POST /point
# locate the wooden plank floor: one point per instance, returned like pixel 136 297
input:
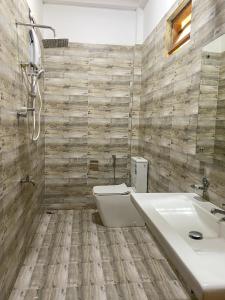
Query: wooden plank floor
pixel 73 257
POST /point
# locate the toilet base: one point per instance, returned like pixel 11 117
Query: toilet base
pixel 118 211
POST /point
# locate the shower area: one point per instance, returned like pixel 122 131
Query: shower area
pixel 92 97
pixel 69 121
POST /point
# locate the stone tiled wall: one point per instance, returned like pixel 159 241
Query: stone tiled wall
pixel 220 116
pixel 89 114
pixel 208 100
pixel 170 105
pixel 19 156
pixel 102 100
pixel 211 137
pixel 91 93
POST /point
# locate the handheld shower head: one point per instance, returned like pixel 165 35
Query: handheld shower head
pixel 40 73
pixel 35 76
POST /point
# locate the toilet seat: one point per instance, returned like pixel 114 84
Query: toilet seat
pixel 107 190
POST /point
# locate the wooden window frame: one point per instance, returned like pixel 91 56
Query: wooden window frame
pixel 172 33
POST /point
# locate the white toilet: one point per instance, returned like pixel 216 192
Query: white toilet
pixel 113 201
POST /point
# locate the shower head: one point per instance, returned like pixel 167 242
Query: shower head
pixel 40 73
pixel 35 76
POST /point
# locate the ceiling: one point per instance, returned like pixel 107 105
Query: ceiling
pixel 113 4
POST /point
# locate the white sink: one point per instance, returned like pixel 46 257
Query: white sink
pixel 201 263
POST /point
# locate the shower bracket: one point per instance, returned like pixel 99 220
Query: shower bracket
pixel 24 110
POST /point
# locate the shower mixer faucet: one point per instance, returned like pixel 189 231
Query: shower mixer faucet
pixel 24 110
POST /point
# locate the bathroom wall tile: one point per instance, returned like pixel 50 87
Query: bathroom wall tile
pixel 90 100
pixel 178 106
pixel 19 156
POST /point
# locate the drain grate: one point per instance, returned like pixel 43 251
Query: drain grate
pixel 195 235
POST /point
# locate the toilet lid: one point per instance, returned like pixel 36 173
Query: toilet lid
pixel 120 189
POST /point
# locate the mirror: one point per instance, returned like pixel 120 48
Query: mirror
pixel 211 117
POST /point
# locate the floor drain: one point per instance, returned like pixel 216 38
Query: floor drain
pixel 195 235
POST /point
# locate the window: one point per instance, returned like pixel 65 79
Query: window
pixel 180 27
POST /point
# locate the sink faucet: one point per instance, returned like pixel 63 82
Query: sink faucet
pixel 204 187
pixel 217 211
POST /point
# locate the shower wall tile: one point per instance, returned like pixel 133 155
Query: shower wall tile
pixel 19 156
pixel 220 120
pixel 90 99
pixel 174 107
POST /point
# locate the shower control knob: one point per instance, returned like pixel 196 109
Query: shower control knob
pixel 31 109
pixel 22 112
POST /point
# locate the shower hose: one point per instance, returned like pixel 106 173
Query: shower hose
pixel 35 135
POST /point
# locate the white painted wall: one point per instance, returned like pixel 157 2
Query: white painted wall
pixel 154 11
pixel 94 25
pixel 217 46
pixel 139 26
pixel 36 7
pixel 100 25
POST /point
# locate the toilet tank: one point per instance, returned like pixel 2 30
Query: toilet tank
pixel 139 174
